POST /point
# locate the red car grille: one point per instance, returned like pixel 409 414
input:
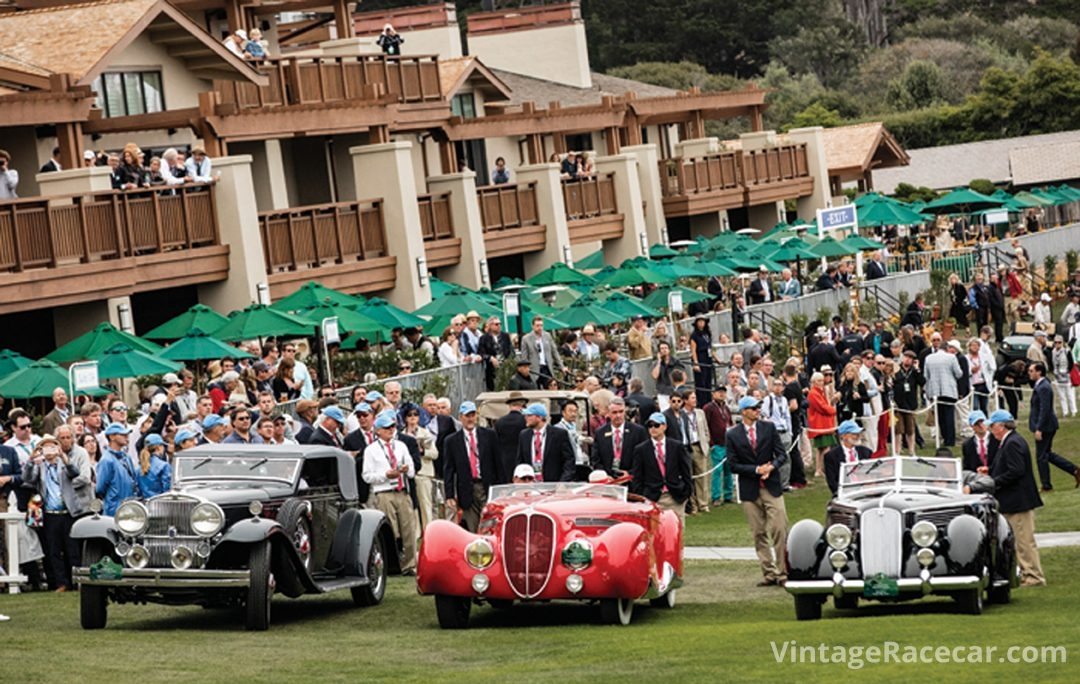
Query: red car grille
pixel 528 549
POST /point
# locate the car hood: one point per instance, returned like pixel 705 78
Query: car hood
pixel 910 500
pixel 568 506
pixel 225 492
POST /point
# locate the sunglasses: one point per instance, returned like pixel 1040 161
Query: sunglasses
pixel 653 425
pixel 404 367
pixel 23 427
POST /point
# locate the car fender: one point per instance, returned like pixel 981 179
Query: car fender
pixel 667 542
pixel 441 566
pixel 804 549
pixel 96 527
pixel 251 530
pixel 1005 558
pixel 356 533
pixel 622 554
pixel 966 537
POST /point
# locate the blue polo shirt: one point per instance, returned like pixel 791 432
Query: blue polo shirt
pixel 116 480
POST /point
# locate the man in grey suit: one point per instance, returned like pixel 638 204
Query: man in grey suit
pixel 539 348
pixel 942 372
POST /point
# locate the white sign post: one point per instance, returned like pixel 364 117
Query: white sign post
pixel 330 335
pixel 675 305
pixel 82 377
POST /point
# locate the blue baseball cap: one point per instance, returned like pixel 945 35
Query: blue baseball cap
pixel 657 418
pixel 117 429
pixel 362 407
pixel 385 420
pixel 466 407
pixel 212 421
pixel 748 403
pixel 535 410
pixel 975 417
pixel 1001 416
pixel 335 413
pixel 849 427
pixel 373 396
pixel 183 436
pixel 154 439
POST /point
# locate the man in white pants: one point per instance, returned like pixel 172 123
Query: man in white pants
pixel 871 410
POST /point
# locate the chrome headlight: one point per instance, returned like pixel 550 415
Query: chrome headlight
pixel 838 536
pixel 138 557
pixel 924 533
pixel 207 519
pixel 182 558
pixel 132 518
pixel 925 557
pixel 577 555
pixel 838 559
pixel 479 554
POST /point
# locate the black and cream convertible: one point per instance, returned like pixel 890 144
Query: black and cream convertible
pixel 241 523
pixel 902 528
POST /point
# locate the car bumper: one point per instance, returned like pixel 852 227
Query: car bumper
pixel 839 586
pixel 168 578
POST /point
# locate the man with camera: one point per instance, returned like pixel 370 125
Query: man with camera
pixel 9 177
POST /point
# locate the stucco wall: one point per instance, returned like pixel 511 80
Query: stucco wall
pixel 556 53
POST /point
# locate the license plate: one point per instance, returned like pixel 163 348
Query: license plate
pixel 880 586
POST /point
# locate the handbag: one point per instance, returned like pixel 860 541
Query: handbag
pixel 1074 376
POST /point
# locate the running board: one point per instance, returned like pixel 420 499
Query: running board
pixel 326 586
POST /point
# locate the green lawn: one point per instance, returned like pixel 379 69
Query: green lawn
pixel 722 627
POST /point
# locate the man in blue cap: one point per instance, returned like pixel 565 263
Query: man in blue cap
pixel 975 451
pixel 471 465
pixel 847 451
pixel 661 469
pixel 756 454
pixel 213 429
pixel 546 448
pixel 116 479
pixel 1015 490
pixel 329 425
pixel 184 440
pixel 387 468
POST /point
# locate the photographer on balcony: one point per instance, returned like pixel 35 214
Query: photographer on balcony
pixel 9 177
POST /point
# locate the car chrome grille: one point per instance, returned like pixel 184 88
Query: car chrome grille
pixel 941 516
pixel 880 531
pixel 528 551
pixel 169 527
pixel 842 517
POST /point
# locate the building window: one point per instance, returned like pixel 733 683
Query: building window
pixel 463 105
pixel 126 93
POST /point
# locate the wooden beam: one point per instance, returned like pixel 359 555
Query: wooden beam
pixel 448 157
pixel 379 134
pixel 611 137
pixel 69 138
pixel 757 124
pixel 173 118
pixel 234 15
pixel 343 19
pixel 534 145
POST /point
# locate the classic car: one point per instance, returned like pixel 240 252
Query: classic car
pixel 1014 347
pixel 552 541
pixel 901 528
pixel 241 523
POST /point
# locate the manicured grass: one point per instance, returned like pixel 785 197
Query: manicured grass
pixel 721 630
pixel 726 526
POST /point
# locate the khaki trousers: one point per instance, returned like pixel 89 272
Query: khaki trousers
pixel 668 503
pixel 398 509
pixel 470 517
pixel 1027 552
pixel 424 499
pixel 768 525
pixel 699 464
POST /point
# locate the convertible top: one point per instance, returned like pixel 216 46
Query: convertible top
pixel 346 463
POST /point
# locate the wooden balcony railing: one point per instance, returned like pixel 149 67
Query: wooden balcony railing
pixel 73 229
pixel 314 236
pixel 436 221
pixel 775 164
pixel 589 197
pixel 512 205
pixel 315 80
pixel 711 173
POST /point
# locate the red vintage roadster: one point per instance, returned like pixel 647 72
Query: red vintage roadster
pixel 554 541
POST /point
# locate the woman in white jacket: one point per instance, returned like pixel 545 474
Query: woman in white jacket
pixel 982 367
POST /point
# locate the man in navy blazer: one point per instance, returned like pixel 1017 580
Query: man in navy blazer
pixel 471 465
pixel 1014 488
pixel 614 443
pixel 670 484
pixel 756 455
pixel 545 447
pixel 847 451
pixel 1043 424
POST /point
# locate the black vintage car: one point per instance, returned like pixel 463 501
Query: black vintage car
pixel 899 529
pixel 241 523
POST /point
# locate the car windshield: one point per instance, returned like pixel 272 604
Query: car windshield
pixel 899 473
pixel 532 489
pixel 236 468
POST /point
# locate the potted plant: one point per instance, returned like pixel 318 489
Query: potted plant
pixel 948 328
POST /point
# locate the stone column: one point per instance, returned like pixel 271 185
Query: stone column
pixel 814 138
pixel 551 212
pixel 697 147
pixel 628 201
pixel 763 216
pixel 385 171
pixel 468 226
pixel 648 172
pixel 238 219
pixel 75 181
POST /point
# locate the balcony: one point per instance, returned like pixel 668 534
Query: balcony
pixel 591 212
pixel 441 248
pixel 729 180
pixel 70 249
pixel 510 219
pixel 326 80
pixel 343 245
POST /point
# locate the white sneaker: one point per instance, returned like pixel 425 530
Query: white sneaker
pixel 4 618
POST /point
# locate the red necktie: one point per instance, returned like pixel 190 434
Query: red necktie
pixel 662 463
pixel 618 446
pixel 851 458
pixel 474 461
pixel 370 437
pixel 389 448
pixel 982 451
pixel 538 455
pixel 753 439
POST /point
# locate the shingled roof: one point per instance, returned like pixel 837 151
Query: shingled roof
pixel 1046 163
pixel 530 89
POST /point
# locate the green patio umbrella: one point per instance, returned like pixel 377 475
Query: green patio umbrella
pixel 312 294
pixel 962 201
pixel 831 247
pixel 712 267
pixel 1068 191
pixel 888 213
pixel 11 361
pixel 39 379
pixel 90 345
pixel 454 301
pixel 603 274
pixel 658 298
pixel 635 272
pixel 675 271
pixel 198 316
pixel 440 287
pixel 348 320
pixel 121 361
pixel 592 262
pixel 1032 198
pixel 588 310
pixel 1051 196
pixel 628 307
pixel 491 297
pixel 560 274
pixel 861 244
pixel 751 264
pixel 661 251
pixel 507 281
pixel 552 300
pixel 389 315
pixel 196 345
pixel 259 320
pixel 1013 203
pixel 792 249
